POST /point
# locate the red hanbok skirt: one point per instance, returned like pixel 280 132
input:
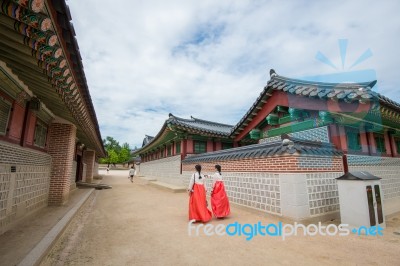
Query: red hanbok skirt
pixel 220 201
pixel 198 205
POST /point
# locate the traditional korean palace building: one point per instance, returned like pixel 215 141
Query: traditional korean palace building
pixel 308 134
pixel 49 134
pixel 162 155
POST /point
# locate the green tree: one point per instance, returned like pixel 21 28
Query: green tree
pixel 112 156
pixel 125 153
pixel 111 144
pixel 113 148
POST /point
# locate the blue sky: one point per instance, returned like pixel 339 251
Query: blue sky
pixel 211 59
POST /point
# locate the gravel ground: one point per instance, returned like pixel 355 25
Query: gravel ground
pixel 137 224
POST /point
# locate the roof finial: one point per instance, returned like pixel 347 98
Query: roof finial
pixel 272 73
pixel 170 114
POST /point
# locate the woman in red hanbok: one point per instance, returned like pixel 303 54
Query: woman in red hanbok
pixel 219 199
pixel 197 202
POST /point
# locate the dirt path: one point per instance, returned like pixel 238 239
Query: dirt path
pixel 136 224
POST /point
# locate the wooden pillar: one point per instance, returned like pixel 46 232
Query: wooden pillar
pixel 372 144
pixel 210 146
pixel 343 139
pixel 218 145
pixel 387 143
pixel 89 159
pixel 189 146
pixel 28 130
pixel 393 145
pixel 183 149
pixel 335 136
pixel 364 141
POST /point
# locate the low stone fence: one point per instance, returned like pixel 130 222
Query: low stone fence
pixel 292 186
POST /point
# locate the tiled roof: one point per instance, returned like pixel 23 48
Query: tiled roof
pixel 40 48
pixel 146 140
pixel 201 126
pixel 347 92
pixel 193 126
pixel 288 146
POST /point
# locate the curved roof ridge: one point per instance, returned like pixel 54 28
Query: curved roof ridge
pixel 350 92
pixel 194 119
pixel 207 121
pixel 369 84
pixel 276 148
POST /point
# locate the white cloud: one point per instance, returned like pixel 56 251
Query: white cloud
pixel 210 59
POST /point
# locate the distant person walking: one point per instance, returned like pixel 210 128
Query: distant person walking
pixel 197 202
pixel 219 199
pixel 132 173
pixel 108 169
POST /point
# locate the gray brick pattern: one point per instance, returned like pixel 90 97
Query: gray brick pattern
pixel 323 196
pixel 165 170
pixel 14 154
pixel 5 177
pixel 255 190
pixel 32 186
pixel 315 161
pixel 26 189
pixel 386 168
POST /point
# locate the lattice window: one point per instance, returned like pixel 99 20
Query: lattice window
pixel 5 109
pixel 380 143
pixel 178 148
pixel 40 134
pixel 227 146
pixel 169 150
pixel 353 139
pixel 200 146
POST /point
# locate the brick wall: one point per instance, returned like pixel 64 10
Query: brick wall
pixel 61 148
pixel 84 172
pixel 24 182
pixel 88 159
pixel 72 182
pixel 386 168
pixel 166 169
pixel 286 164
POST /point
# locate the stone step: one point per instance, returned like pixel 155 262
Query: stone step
pixel 167 186
pixel 93 185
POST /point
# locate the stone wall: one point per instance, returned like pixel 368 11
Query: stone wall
pixel 165 170
pixel 24 182
pixel 388 169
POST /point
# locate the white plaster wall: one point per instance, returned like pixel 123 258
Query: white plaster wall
pixel 165 170
pixel 294 197
pixel 386 168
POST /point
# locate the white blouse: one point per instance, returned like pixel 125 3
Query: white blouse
pixel 216 177
pixel 195 178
